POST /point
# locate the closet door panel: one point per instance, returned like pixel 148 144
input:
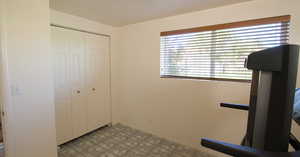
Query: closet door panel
pixel 60 47
pixel 98 109
pixel 79 101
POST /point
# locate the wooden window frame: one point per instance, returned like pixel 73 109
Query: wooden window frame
pixel 254 22
pixel 268 20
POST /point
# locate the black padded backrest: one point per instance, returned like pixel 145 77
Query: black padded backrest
pixel 271 98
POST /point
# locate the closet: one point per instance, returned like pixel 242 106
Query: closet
pixel 82 86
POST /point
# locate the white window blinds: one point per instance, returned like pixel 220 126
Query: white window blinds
pixel 218 52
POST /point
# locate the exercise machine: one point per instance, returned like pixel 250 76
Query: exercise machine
pixel 271 106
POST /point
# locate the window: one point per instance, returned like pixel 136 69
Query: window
pixel 218 52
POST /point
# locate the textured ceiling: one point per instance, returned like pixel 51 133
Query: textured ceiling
pixel 123 12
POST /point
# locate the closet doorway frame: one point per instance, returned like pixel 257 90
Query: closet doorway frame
pixel 7 110
pixel 109 55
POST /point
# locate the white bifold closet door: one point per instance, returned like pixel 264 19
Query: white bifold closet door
pixel 97 83
pixel 82 88
pixel 63 100
pixel 77 80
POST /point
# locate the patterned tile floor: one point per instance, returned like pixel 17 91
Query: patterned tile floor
pixel 123 141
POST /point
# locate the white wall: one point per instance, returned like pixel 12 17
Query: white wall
pixel 178 109
pixel 26 49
